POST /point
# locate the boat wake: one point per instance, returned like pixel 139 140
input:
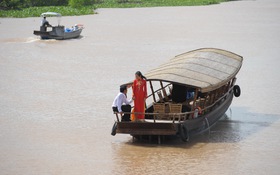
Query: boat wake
pixel 31 40
pixel 21 40
pixel 27 40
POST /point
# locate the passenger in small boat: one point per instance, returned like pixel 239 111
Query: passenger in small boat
pixel 139 95
pixel 45 23
pixel 121 104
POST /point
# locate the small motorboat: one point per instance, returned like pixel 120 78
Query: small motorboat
pixel 58 32
pixel 188 95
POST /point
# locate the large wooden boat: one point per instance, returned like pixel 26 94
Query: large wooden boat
pixel 58 32
pixel 188 95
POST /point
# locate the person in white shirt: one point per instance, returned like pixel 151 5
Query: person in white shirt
pixel 45 23
pixel 121 104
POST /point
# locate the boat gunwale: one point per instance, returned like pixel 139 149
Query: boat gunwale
pixel 182 113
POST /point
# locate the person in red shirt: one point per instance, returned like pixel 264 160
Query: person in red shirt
pixel 139 95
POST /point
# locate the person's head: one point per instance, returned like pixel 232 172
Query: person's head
pixel 123 89
pixel 139 76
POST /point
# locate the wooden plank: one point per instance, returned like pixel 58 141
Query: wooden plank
pixel 146 125
pixel 146 128
pixel 41 33
pixel 146 131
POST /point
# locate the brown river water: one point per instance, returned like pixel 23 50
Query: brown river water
pixel 56 96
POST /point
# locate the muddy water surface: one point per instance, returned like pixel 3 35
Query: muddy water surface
pixel 55 96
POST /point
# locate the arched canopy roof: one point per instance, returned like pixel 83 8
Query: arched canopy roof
pixel 206 69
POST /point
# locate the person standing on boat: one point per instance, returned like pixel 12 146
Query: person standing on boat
pixel 139 95
pixel 45 23
pixel 121 104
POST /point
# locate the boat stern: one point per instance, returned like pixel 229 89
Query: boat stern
pixel 145 128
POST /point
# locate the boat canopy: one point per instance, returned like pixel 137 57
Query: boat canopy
pixel 51 14
pixel 58 15
pixel 205 68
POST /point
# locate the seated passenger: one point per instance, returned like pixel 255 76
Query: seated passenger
pixel 121 104
pixel 179 93
pixel 190 94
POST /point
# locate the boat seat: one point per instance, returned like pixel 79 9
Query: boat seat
pixel 176 108
pixel 160 109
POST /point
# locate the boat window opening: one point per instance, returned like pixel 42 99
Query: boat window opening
pixel 166 98
pixel 152 93
pixel 160 89
pixel 49 29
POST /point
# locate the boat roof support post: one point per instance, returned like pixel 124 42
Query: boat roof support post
pixel 194 99
pixel 233 82
pixel 153 92
pixel 163 90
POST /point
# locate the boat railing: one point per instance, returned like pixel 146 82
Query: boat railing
pixel 174 116
pixel 160 116
pixel 218 100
